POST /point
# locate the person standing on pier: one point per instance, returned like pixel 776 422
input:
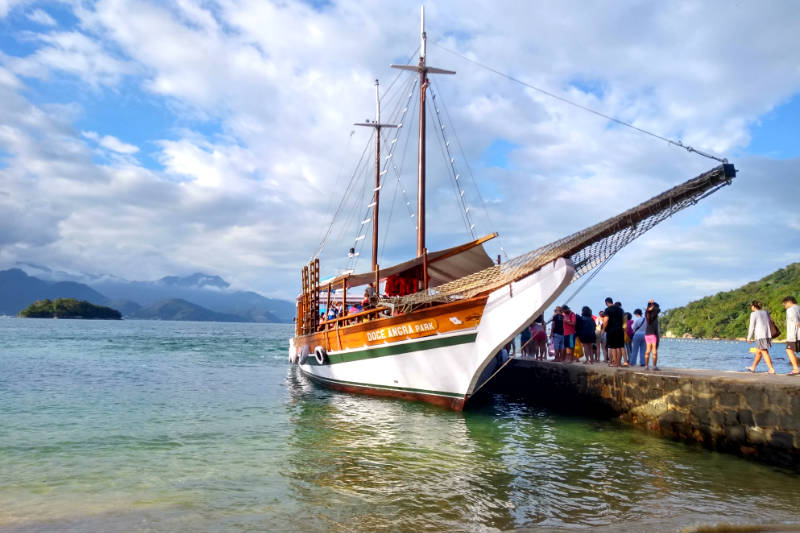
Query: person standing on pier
pixel 637 342
pixel 651 334
pixel 569 332
pixel 539 338
pixel 557 334
pixel 628 337
pixel 613 324
pixel 759 329
pixel 601 336
pixel 586 334
pixel 792 332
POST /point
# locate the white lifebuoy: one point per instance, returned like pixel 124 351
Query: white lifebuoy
pixel 303 355
pixel 321 355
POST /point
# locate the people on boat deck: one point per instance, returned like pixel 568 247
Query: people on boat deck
pixel 569 332
pixel 370 296
pixel 613 326
pixel 652 333
pixel 557 334
pixel 637 340
pixel 792 332
pixel 760 331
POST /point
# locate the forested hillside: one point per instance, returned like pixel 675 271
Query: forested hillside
pixel 726 314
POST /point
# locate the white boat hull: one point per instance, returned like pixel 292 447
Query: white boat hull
pixel 444 368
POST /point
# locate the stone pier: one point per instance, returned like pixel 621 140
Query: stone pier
pixel 753 415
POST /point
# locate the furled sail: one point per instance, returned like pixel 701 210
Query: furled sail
pixel 587 249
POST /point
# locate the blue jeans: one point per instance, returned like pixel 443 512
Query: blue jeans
pixel 638 348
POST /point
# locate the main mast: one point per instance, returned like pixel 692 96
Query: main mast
pixel 423 69
pixel 376 203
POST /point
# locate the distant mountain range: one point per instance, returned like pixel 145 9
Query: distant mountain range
pixel 177 309
pixel 198 295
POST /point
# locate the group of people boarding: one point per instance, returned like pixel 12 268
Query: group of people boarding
pixel 619 337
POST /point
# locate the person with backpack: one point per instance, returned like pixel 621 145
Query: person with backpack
pixel 760 330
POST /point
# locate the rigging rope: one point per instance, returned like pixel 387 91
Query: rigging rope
pixel 341 203
pixel 587 249
pixel 388 160
pixel 471 175
pixel 679 144
pixel 444 144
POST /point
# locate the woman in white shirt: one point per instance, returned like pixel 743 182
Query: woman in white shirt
pixel 759 330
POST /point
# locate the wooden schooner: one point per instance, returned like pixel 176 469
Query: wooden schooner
pixel 436 340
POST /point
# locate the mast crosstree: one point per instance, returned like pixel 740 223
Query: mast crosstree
pixel 377 125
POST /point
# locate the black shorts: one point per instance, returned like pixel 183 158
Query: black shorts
pixel 615 338
pixel 793 346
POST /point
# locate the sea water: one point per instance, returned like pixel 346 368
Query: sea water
pixel 204 427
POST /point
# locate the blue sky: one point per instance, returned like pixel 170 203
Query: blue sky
pixel 149 139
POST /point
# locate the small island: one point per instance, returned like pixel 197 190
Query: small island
pixel 69 308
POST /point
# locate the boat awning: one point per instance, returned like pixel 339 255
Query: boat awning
pixel 443 265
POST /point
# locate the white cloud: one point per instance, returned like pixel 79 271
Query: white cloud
pixel 40 16
pixel 73 53
pixel 110 142
pixel 8 5
pixel 284 83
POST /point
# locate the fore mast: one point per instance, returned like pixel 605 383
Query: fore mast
pixel 377 125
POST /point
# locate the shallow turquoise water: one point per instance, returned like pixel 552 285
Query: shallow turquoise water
pixel 179 426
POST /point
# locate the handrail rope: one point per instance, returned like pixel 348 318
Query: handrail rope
pixel 679 144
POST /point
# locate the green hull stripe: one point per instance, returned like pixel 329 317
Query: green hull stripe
pixel 395 349
pixel 375 386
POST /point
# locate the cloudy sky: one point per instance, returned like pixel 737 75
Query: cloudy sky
pixel 143 139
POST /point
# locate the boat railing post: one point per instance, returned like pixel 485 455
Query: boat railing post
pixel 328 304
pixel 425 268
pixel 344 298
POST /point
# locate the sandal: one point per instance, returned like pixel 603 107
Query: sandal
pixel 751 370
pixel 793 373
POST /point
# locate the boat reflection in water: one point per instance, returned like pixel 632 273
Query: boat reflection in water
pixel 385 465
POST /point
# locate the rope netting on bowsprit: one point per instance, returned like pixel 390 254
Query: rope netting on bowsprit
pixel 587 249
